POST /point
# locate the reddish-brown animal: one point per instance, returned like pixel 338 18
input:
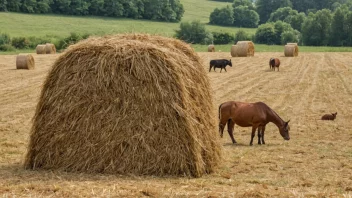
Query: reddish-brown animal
pixel 329 116
pixel 255 115
pixel 274 62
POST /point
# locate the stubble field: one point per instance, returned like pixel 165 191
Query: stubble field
pixel 316 162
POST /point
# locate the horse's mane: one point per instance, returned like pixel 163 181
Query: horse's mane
pixel 275 113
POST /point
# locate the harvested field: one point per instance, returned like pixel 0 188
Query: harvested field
pixel 316 162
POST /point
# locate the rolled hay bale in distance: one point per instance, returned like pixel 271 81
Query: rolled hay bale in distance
pixel 40 49
pixel 211 48
pixel 245 48
pixel 124 106
pixel 296 48
pixel 290 51
pixel 50 48
pixel 25 61
pixel 234 51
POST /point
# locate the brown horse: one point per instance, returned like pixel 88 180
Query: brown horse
pixel 329 116
pixel 274 62
pixel 255 115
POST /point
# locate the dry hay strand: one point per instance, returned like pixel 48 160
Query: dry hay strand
pixel 50 48
pixel 211 48
pixel 40 49
pixel 25 61
pixel 245 48
pixel 290 50
pixel 296 48
pixel 126 104
pixel 234 52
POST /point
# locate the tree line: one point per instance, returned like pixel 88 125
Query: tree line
pixel 308 22
pixel 163 10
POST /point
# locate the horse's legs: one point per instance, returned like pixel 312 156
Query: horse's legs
pixel 230 126
pixel 263 129
pixel 220 69
pixel 259 135
pixel 210 68
pixel 225 68
pixel 253 134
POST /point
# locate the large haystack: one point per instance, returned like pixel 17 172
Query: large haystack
pixel 245 48
pixel 211 48
pixel 291 50
pixel 136 103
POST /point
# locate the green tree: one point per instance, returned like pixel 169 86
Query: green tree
pixel 266 7
pixel 266 34
pixel 193 32
pixel 13 5
pixel 3 5
pixel 337 27
pixel 244 17
pixel 247 3
pixel 223 16
pixel 223 38
pixel 316 28
pixel 348 29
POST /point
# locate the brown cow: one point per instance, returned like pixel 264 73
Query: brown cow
pixel 329 116
pixel 274 62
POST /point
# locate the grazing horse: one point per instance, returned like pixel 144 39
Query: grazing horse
pixel 329 116
pixel 274 62
pixel 255 115
pixel 220 63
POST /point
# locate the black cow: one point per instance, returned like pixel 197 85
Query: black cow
pixel 220 63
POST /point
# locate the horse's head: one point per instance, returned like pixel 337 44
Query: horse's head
pixel 284 131
pixel 334 115
pixel 272 61
pixel 230 63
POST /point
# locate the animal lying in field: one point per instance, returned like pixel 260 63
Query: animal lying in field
pixel 274 62
pixel 329 116
pixel 220 63
pixel 255 115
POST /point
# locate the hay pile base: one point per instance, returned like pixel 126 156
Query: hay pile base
pixel 211 48
pixel 245 48
pixel 234 51
pixel 50 48
pixel 124 105
pixel 25 61
pixel 291 50
pixel 40 49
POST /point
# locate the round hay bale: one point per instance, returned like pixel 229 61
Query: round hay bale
pixel 25 61
pixel 290 50
pixel 234 51
pixel 245 48
pixel 123 105
pixel 211 48
pixel 50 48
pixel 40 49
pixel 296 48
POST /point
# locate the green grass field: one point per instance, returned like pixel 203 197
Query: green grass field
pixel 59 26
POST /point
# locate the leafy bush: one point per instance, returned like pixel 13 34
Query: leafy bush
pixel 72 39
pixel 7 47
pixel 223 16
pixel 241 35
pixel 245 17
pixel 223 38
pixel 193 32
pixel 265 34
pixel 5 39
pixel 20 42
pixel 289 37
